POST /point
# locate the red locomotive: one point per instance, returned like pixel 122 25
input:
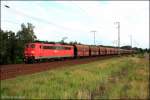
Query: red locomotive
pixel 37 51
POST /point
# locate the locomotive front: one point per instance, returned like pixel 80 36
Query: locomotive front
pixel 29 52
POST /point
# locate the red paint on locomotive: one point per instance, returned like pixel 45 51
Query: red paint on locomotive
pixel 44 51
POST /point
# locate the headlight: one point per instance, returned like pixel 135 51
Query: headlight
pixel 32 52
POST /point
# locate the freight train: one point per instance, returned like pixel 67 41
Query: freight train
pixel 38 51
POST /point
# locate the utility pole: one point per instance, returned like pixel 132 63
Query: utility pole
pixel 118 23
pixel 94 35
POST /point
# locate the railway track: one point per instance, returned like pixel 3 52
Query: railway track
pixel 14 70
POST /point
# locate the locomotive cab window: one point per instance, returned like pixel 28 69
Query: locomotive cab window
pixel 32 46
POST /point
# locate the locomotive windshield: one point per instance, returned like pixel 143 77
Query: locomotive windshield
pixel 30 46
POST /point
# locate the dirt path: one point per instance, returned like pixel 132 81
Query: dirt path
pixel 14 70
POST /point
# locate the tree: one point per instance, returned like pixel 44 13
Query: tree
pixel 25 35
pixel 7 47
pixel 126 47
pixel 3 49
pixel 12 46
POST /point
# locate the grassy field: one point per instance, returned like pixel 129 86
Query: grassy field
pixel 125 77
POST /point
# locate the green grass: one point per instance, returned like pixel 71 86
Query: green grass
pixel 111 78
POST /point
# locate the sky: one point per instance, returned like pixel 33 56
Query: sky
pixel 75 20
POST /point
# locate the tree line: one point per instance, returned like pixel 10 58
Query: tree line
pixel 12 44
